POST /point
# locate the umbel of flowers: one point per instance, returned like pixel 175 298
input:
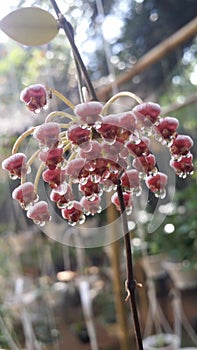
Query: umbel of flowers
pixel 96 151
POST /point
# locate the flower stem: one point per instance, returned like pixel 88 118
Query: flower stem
pixel 119 95
pixel 21 138
pixel 66 26
pixel 130 283
pixel 62 98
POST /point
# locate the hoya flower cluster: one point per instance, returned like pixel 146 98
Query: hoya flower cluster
pixel 96 151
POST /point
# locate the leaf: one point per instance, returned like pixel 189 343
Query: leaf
pixel 30 26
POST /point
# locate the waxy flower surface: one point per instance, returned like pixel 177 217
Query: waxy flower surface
pixel 93 153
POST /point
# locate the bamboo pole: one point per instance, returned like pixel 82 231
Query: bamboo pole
pixel 154 55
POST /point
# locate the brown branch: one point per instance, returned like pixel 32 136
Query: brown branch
pixel 178 105
pixel 154 55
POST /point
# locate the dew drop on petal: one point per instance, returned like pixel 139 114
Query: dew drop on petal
pixel 128 210
pixel 142 175
pixel 26 206
pixel 99 210
pixel 45 107
pixel 63 165
pixel 161 193
pixel 92 197
pixel 42 223
pixel 69 205
pixel 82 219
pixel 61 205
pixel 72 223
pixel 148 131
pixel 106 174
pixel 28 170
pixel 90 166
pixel 85 126
pixel 61 189
pixel 97 125
pixel 137 191
pixel 153 171
pixel 87 212
pixel 83 180
pixel 176 157
pixel 37 111
pixel 169 142
pixel 109 141
pixel 13 176
pixel 182 175
pixel 107 188
pixel 100 192
pixel 95 178
pixel 44 148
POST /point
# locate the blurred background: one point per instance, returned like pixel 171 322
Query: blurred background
pixel 55 296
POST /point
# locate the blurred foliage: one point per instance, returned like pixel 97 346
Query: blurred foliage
pixel 180 242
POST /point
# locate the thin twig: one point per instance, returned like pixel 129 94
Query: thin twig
pixel 130 283
pixel 66 26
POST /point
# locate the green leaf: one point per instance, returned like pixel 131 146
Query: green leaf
pixel 30 26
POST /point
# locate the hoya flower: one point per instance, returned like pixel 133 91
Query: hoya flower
pixel 157 184
pixel 166 128
pixel 35 97
pixel 89 112
pixel 54 177
pixel 145 164
pixel 15 165
pixel 90 189
pixel 97 152
pixel 109 128
pixel 78 135
pixel 73 213
pixel 48 135
pixel 75 169
pixel 39 213
pixel 52 158
pixel 91 207
pixel 130 181
pixel 138 147
pixel 62 199
pixel 25 194
pixel 147 113
pixel 127 201
pixel 183 167
pixel 181 145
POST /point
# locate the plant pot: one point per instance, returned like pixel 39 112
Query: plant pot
pixel 161 342
pixel 153 266
pixel 182 277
